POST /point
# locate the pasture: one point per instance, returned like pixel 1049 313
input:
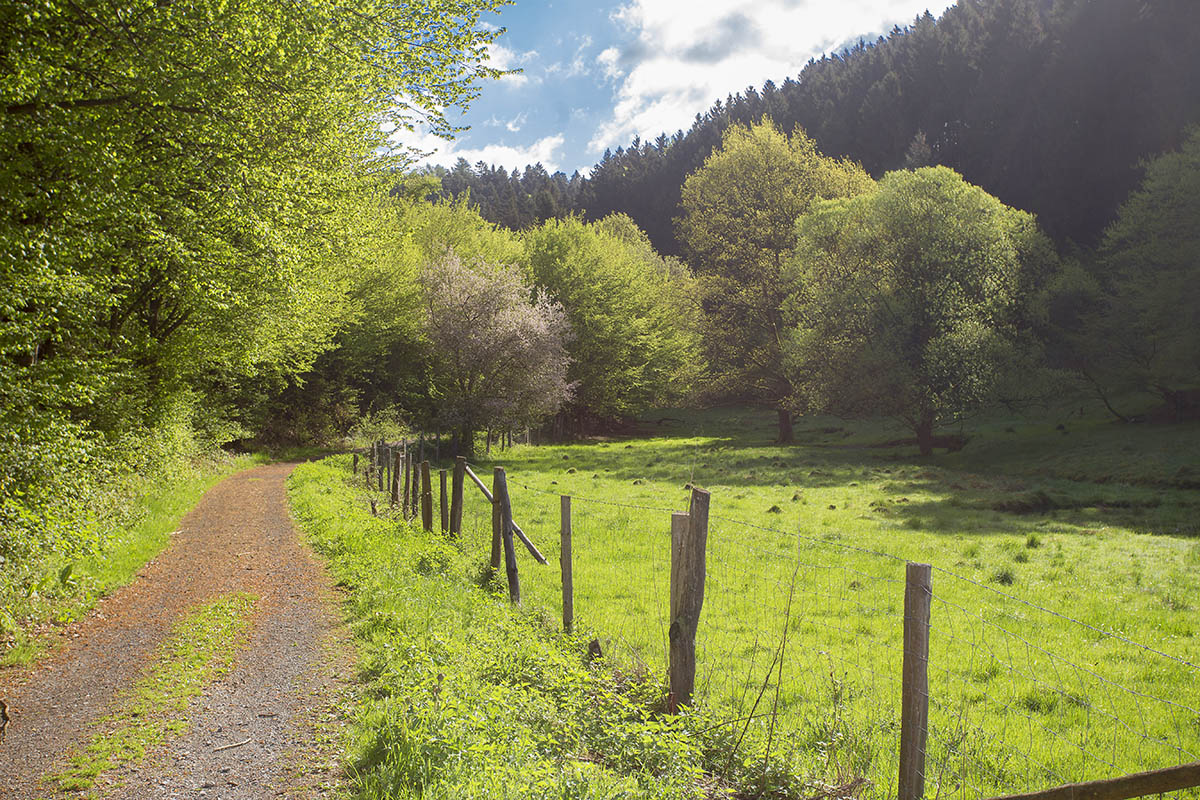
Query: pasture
pixel 1064 619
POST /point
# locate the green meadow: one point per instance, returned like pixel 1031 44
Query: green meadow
pixel 1066 566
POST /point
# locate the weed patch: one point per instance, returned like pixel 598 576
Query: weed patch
pixel 200 649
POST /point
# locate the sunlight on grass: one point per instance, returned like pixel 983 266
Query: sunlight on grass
pixel 1021 697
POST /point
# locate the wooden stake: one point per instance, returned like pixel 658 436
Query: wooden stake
pixel 689 601
pixel 444 501
pixel 406 480
pixel 564 561
pixel 914 702
pixel 355 467
pixel 426 498
pixel 397 468
pixel 1159 781
pixel 533 551
pixel 414 473
pixel 679 530
pixel 379 460
pixel 500 485
pixel 456 498
pixel 497 523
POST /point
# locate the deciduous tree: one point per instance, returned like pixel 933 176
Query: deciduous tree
pixel 913 301
pixel 499 358
pixel 738 227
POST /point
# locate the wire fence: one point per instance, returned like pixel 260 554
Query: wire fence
pixel 805 634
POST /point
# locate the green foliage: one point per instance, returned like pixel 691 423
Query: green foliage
pixel 914 301
pixel 739 225
pixel 633 314
pixel 105 519
pixel 189 191
pixel 1142 332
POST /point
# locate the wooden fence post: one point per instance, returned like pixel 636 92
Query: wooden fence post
pixel 397 459
pixel 426 498
pixel 689 599
pixel 914 702
pixel 500 493
pixel 679 530
pixel 414 476
pixel 354 468
pixel 444 501
pixel 497 524
pixel 456 500
pixel 564 561
pixel 379 459
pixel 404 479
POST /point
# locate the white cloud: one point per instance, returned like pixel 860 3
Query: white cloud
pixel 608 59
pixel 544 151
pixel 683 55
pixel 516 123
pixel 579 61
pixel 504 58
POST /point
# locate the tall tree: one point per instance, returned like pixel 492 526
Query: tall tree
pixel 1143 334
pixel 738 226
pixel 632 313
pixel 914 301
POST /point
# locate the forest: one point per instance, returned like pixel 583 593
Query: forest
pixel 971 210
pixel 1050 105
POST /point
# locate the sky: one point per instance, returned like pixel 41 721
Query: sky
pixel 594 74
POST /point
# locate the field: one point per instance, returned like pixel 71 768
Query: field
pixel 1066 561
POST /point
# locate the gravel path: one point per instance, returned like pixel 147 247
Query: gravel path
pixel 283 698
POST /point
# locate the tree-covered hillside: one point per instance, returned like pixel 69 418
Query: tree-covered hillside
pixel 1050 105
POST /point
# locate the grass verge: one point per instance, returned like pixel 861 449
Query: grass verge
pixel 468 697
pixel 200 649
pixel 150 509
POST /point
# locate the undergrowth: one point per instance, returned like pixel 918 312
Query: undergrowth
pixel 121 519
pixel 468 697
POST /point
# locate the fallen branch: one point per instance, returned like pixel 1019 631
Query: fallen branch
pixel 231 746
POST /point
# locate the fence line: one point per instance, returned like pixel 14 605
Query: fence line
pixel 1008 701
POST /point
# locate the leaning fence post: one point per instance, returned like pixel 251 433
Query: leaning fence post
pixel 456 500
pixel 564 561
pixel 426 498
pixel 914 703
pixel 506 532
pixel 689 601
pixel 443 503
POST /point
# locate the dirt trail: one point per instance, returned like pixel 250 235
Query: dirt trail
pixel 283 694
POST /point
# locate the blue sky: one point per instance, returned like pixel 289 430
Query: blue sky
pixel 595 74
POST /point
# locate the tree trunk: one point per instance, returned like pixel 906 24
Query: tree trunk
pixel 925 433
pixel 466 443
pixel 786 434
